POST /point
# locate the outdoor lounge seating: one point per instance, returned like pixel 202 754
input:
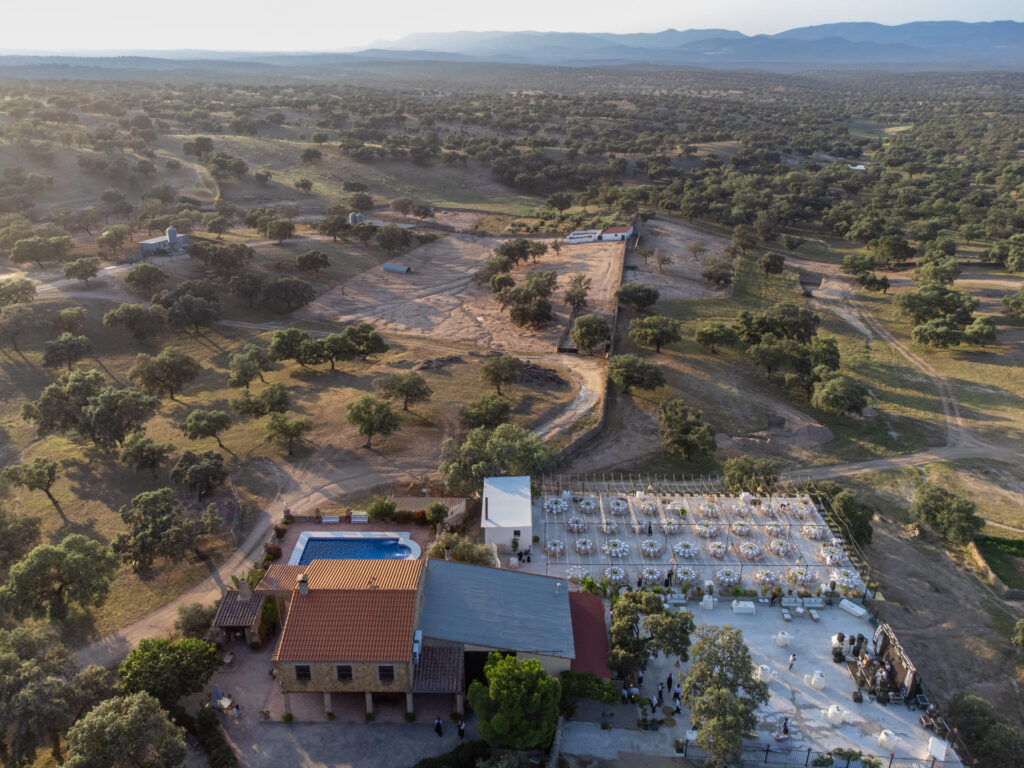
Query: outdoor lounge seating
pixel 813 614
pixel 786 615
pixel 791 602
pixel 814 602
pixel 743 606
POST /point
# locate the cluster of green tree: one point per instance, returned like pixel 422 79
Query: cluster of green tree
pixel 785 336
pixel 944 316
pixel 527 303
pixel 861 267
pixel 507 449
pixel 953 517
pixel 642 627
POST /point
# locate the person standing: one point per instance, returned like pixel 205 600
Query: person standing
pixel 792 661
pixel 625 693
pixel 661 694
pixel 668 680
pixel 679 705
pixel 677 692
pixel 650 529
pixel 438 727
pixel 462 728
pixel 639 677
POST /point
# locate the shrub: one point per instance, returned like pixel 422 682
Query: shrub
pixel 584 685
pixel 410 717
pixel 272 550
pixel 287 717
pixel 369 717
pixel 280 530
pixel 330 715
pixel 404 516
pixel 194 619
pixel 420 518
pixel 206 728
pixel 381 509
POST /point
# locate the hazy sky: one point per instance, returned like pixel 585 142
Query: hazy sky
pixel 323 25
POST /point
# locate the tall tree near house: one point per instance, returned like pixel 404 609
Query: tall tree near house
pixel 721 686
pixel 281 429
pixel 518 706
pixel 372 417
pixel 51 577
pixel 169 669
pixel 500 370
pixel 589 331
pixel 410 387
pixel 129 731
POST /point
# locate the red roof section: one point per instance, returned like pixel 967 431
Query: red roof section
pixel 617 230
pixel 349 625
pixel 590 634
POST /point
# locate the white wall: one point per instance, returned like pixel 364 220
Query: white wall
pixel 502 537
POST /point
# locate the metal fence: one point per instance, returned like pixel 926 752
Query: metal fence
pixel 796 758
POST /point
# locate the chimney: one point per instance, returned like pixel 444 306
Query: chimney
pixel 486 514
pixel 303 584
pixel 244 593
pixel 558 588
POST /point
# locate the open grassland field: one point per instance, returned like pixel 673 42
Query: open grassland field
pixel 94 484
pixel 746 407
pixel 986 381
pixel 442 296
pixel 440 185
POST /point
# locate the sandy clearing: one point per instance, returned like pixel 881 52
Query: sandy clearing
pixel 441 297
pixel 681 278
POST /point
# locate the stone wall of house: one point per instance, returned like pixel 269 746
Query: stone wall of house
pixel 364 678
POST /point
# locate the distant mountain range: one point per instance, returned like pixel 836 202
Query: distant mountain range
pixel 918 46
pixel 940 45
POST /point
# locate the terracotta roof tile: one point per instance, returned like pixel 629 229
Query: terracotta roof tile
pixel 281 577
pixel 349 625
pixel 364 574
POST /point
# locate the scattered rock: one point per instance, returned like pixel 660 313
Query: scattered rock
pixel 531 373
pixel 437 363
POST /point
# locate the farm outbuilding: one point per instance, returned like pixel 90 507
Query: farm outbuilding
pixel 170 242
pixel 507 511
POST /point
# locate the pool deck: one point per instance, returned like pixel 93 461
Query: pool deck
pixel 405 537
pixel 420 535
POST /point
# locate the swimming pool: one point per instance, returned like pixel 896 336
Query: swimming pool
pixel 346 545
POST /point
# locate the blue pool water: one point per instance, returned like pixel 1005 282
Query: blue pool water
pixel 354 549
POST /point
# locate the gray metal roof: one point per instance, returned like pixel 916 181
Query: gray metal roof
pixel 497 608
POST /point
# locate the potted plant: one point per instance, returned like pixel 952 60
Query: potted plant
pixel 515 545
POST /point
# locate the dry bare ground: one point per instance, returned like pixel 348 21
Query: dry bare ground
pixel 442 298
pixel 945 618
pixel 680 279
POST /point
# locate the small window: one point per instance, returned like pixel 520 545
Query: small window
pixel 345 673
pixel 302 672
pixel 517 534
pixel 386 674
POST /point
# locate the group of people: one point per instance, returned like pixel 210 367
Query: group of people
pixel 631 692
pixel 439 727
